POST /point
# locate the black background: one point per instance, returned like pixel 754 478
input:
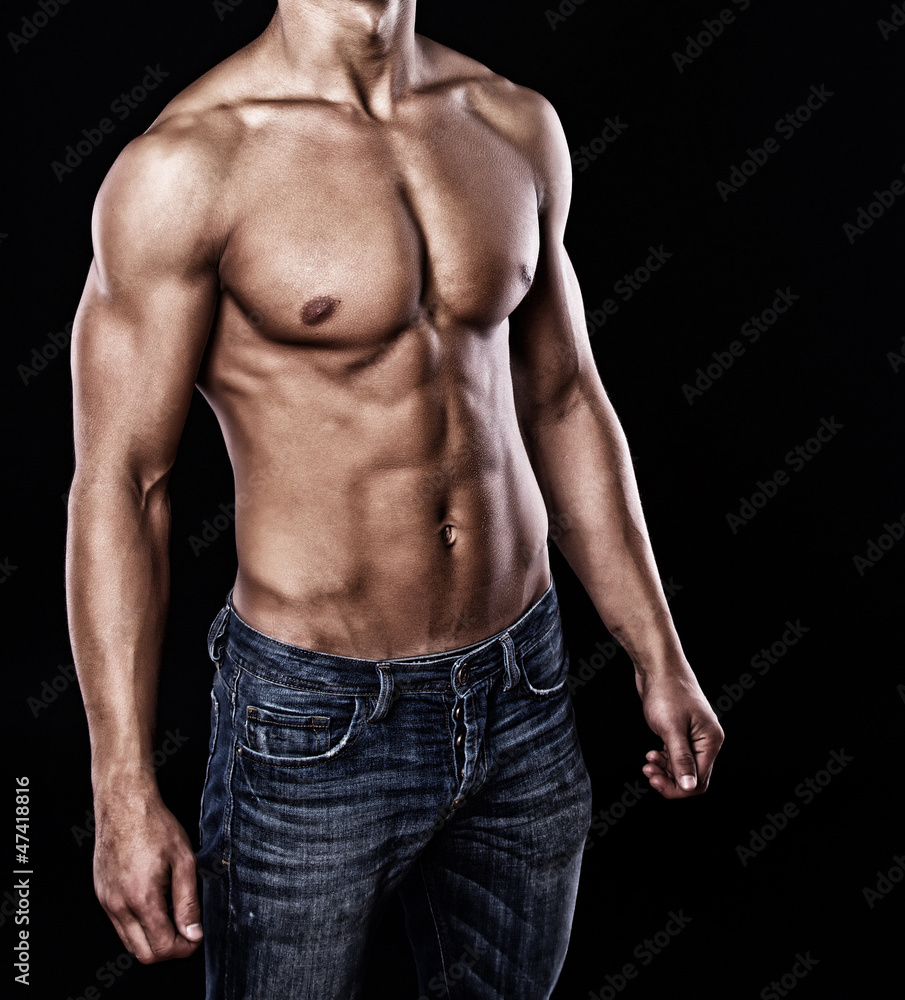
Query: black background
pixel 832 355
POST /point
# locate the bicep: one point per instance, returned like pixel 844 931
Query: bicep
pixel 135 357
pixel 550 349
pixel 549 343
pixel 141 327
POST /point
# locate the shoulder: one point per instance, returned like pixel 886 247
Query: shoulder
pixel 162 188
pixel 193 133
pixel 170 180
pixel 523 116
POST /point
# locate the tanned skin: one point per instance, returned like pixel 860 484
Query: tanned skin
pixel 349 237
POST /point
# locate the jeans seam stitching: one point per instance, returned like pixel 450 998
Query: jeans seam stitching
pixel 228 812
pixel 430 906
pixel 210 759
pixel 278 678
pixel 527 649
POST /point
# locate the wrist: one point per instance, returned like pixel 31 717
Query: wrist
pixel 118 783
pixel 654 649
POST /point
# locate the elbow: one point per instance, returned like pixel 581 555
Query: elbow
pixel 144 487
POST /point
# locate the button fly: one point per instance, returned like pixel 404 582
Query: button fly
pixel 457 712
pixel 459 740
pixel 462 675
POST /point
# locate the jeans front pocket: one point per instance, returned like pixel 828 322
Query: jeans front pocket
pixel 283 726
pixel 280 734
pixel 545 664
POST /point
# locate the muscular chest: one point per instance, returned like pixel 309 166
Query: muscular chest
pixel 349 236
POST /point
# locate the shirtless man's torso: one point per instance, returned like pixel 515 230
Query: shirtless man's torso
pixel 349 237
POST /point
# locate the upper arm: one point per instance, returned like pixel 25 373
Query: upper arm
pixel 146 310
pixel 549 343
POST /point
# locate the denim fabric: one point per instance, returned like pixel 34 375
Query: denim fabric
pixel 455 779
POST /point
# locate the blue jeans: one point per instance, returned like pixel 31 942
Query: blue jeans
pixel 454 779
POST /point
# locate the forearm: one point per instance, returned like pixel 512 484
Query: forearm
pixel 117 594
pixel 584 468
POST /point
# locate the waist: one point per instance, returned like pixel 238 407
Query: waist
pixel 296 666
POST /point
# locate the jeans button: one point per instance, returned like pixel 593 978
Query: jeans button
pixel 462 772
pixel 459 740
pixel 462 675
pixel 457 712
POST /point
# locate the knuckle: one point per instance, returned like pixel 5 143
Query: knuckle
pixel 113 903
pixel 135 900
pixel 160 949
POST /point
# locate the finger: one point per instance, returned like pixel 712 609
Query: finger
pixel 706 751
pixel 186 907
pixel 163 939
pixel 656 757
pixel 681 761
pixel 130 932
pixel 660 781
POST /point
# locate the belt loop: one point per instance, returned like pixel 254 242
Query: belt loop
pixel 216 633
pixel 386 692
pixel 512 671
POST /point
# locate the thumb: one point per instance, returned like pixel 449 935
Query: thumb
pixel 186 908
pixel 681 761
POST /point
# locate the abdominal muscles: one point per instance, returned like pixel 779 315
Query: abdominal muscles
pixel 385 505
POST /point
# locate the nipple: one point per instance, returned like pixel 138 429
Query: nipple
pixel 316 310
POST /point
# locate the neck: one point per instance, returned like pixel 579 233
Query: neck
pixel 361 52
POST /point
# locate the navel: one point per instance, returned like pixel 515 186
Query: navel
pixel 448 534
pixel 315 311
